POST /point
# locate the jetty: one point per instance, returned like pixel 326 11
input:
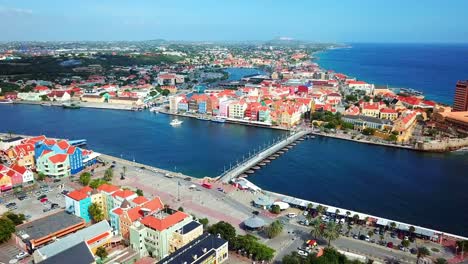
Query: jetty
pixel 247 164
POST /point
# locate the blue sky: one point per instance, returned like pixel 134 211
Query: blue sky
pixel 213 20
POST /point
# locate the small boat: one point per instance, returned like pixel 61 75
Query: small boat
pixel 203 118
pixel 154 109
pixel 250 172
pixel 175 122
pixel 271 158
pixel 46 104
pixel 256 167
pixel 266 161
pixel 6 101
pixel 218 119
pixel 71 106
pixel 262 164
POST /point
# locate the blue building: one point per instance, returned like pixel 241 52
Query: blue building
pixel 202 107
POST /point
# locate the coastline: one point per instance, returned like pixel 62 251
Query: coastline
pixel 105 106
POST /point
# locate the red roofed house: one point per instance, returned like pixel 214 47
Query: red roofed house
pixel 388 113
pixel 22 155
pixel 370 109
pixel 163 233
pixel 53 165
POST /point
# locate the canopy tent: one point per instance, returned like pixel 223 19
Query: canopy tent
pixel 263 201
pixel 254 222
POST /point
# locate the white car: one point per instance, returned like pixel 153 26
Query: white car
pixel 302 253
pixel 292 215
pixel 305 213
pixel 21 255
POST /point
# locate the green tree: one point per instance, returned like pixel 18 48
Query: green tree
pixel 274 229
pixel 405 243
pixel 226 230
pixel 412 229
pixel 139 192
pixel 165 92
pixel 370 233
pixel 368 131
pixel 355 218
pixel 153 93
pixel 393 225
pixel 180 209
pixel 108 174
pixel 316 228
pixel 440 261
pixel 44 97
pixel 95 183
pixel 292 258
pixel 320 209
pixel 275 209
pixel 101 252
pixel 422 252
pixel 17 219
pixel 7 227
pixel 96 212
pixel 310 206
pixel 392 137
pixel 204 222
pixel 331 232
pixel 41 176
pixel 85 178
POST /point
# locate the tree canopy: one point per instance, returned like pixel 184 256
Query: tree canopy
pixel 7 227
pixel 96 212
pixel 85 178
pixel 274 229
pixel 226 230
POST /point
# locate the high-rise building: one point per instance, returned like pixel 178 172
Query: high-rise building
pixel 460 101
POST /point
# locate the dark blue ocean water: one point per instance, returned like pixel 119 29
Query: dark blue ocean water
pixel 198 148
pixel 431 68
pixel 424 189
pixel 417 188
pixel 238 73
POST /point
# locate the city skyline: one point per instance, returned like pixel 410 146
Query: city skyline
pixel 351 21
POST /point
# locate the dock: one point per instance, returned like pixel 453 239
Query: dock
pixel 249 163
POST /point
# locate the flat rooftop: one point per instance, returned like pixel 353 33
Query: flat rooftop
pixel 78 254
pixel 189 227
pixel 47 225
pixel 196 247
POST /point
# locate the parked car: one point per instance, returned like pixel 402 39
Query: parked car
pixel 41 197
pixel 57 180
pixel 9 205
pixel 46 210
pixel 292 215
pixel 64 192
pixel 414 251
pixel 390 244
pixel 43 200
pixel 21 255
pixel 302 253
pixel 305 213
pixel 54 205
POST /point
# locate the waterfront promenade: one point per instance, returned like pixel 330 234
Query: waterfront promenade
pixel 252 161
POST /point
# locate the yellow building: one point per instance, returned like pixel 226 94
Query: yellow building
pixel 290 118
pixel 388 113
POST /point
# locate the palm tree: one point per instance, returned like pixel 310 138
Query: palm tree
pixel 337 212
pixel 393 225
pixel 331 232
pixel 422 252
pixel 316 226
pixel 355 218
pixel 320 209
pixel 412 229
pixel 348 213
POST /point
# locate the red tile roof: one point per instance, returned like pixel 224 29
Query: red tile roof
pixel 153 205
pixel 19 169
pixel 135 213
pixel 123 193
pixel 97 238
pixel 63 144
pixel 77 195
pixel 86 189
pixel 71 150
pixel 118 211
pixel 162 224
pixel 58 158
pixel 108 188
pixel 140 200
pixel 388 111
pixel 49 142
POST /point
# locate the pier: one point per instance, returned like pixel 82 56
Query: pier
pixel 250 162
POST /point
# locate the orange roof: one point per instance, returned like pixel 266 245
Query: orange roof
pixel 71 150
pixel 58 158
pixel 153 205
pixel 162 224
pixel 388 111
pixel 123 193
pixel 101 236
pixel 35 139
pixel 18 168
pixel 86 189
pixel 49 142
pixel 118 211
pixel 140 200
pixel 77 195
pixel 135 213
pixel 108 188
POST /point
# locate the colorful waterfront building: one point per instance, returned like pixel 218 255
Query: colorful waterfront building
pixel 183 105
pixel 77 202
pixel 388 113
pixel 53 165
pixel 237 109
pixel 264 114
pixel 162 233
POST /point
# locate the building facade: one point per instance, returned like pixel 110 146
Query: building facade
pixel 460 101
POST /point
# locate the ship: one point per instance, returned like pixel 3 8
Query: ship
pixel 7 101
pixel 219 119
pixel 410 92
pixel 175 122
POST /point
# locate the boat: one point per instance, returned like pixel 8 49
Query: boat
pixel 219 119
pixel 203 118
pixel 175 122
pixel 46 104
pixel 71 106
pixel 154 109
pixel 6 101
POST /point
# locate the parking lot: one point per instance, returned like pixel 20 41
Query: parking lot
pixel 37 202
